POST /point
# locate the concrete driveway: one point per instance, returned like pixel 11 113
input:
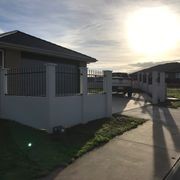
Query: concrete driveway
pixel 122 103
pixel 148 152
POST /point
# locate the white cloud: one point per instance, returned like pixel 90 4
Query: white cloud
pixel 1 31
pixel 95 28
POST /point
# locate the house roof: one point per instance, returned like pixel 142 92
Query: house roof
pixel 168 67
pixel 25 42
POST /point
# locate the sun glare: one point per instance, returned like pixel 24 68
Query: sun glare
pixel 153 30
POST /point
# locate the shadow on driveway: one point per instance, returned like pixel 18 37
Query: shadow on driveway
pixel 162 119
pixel 165 136
pixel 122 103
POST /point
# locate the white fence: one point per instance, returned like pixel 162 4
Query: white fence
pixel 152 83
pixel 51 110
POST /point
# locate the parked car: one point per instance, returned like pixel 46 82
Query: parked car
pixel 121 83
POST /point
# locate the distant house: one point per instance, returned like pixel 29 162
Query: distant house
pixel 172 71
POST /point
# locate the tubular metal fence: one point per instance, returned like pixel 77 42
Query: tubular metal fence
pixel 32 81
pixel 150 78
pixel 144 77
pixel 95 81
pixel 26 81
pixel 67 80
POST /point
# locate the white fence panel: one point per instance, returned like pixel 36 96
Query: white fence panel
pixel 32 111
pixel 50 111
pixel 94 107
pixel 66 111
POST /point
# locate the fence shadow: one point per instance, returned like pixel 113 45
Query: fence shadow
pixel 119 103
pixel 172 127
pixel 142 100
pixel 159 144
pixel 162 117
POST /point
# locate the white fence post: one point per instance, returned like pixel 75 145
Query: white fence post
pixel 162 88
pixel 3 89
pixel 138 80
pixel 141 80
pixel 50 80
pixel 154 87
pixel 50 89
pixel 147 82
pixel 4 81
pixel 83 91
pixel 83 81
pixel 108 90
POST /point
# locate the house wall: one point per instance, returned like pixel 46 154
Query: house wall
pixel 17 58
pixel 12 58
pixel 31 59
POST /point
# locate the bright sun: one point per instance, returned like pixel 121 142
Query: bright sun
pixel 153 30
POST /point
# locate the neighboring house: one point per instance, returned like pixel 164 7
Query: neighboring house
pixel 172 71
pixel 45 86
pixel 20 50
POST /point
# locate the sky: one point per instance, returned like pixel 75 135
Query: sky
pixel 95 28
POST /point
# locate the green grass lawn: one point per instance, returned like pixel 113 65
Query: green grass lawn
pixel 173 104
pixel 173 92
pixel 27 153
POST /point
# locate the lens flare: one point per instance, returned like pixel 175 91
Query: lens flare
pixel 29 144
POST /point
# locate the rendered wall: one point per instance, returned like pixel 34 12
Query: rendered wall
pixel 66 111
pixel 32 111
pixel 94 107
pixel 12 58
pixel 51 111
pixel 72 110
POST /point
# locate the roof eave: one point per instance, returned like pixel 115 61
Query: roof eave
pixel 46 52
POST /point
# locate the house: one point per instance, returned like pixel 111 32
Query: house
pixel 45 85
pixel 172 73
pixel 21 49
